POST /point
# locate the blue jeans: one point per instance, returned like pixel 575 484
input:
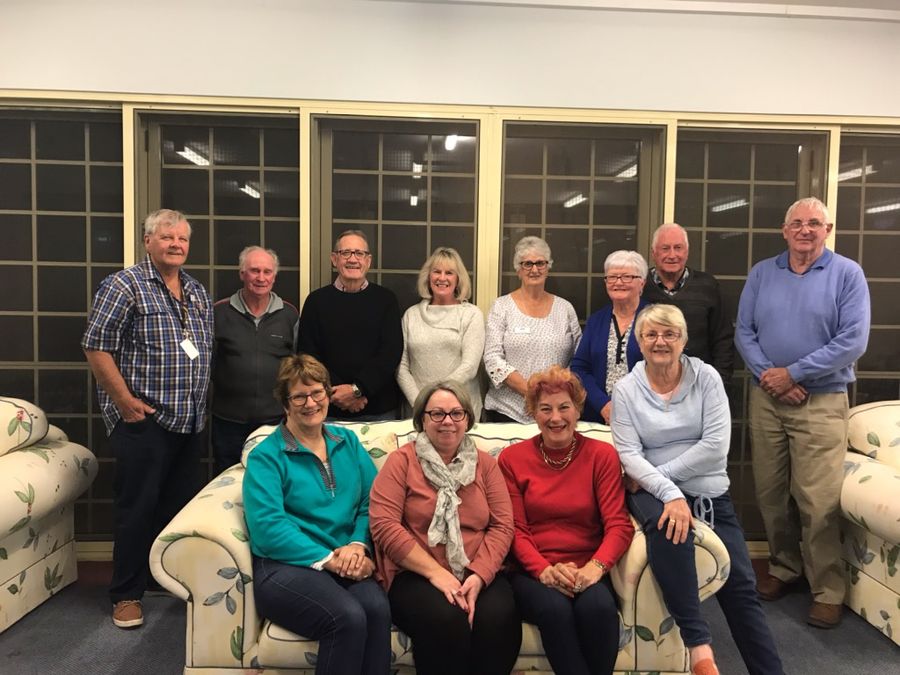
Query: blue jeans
pixel 228 440
pixel 350 619
pixel 675 569
pixel 580 634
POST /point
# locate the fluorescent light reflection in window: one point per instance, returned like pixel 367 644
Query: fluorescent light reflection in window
pixel 884 208
pixel 193 156
pixel 249 190
pixel 451 141
pixel 856 173
pixel 574 200
pixel 728 206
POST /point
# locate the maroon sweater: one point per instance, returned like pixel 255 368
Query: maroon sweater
pixel 571 515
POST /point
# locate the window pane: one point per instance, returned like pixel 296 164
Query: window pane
pixel 568 202
pixel 18 338
pixel 62 289
pixel 606 240
pixel 460 238
pixel 729 161
pixel 236 193
pixel 106 239
pixel 282 147
pixel 770 204
pixel 616 203
pixel 186 190
pixel 776 162
pixel 882 208
pixel 617 158
pixel 402 151
pixel 61 238
pixel 64 391
pixel 459 159
pixel 19 278
pixel 59 338
pixel 284 239
pixel 353 150
pixel 689 204
pixel 405 198
pixel 236 146
pixel 403 247
pixel 106 189
pixel 726 253
pixel 689 160
pixel 524 156
pixel 15 139
pixel 16 229
pixel 355 196
pixel 16 182
pixel 728 205
pixel 453 199
pixel 283 193
pixel 59 140
pixel 231 237
pixel 570 249
pixel 60 187
pixel 185 145
pixel 522 201
pixel 106 142
pixel 568 157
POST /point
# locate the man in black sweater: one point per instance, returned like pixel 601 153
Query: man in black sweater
pixel 696 294
pixel 353 327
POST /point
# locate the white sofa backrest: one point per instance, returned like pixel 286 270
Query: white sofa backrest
pixel 874 430
pixel 21 424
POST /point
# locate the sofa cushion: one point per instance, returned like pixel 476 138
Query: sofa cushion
pixel 380 448
pixel 21 424
pixel 874 431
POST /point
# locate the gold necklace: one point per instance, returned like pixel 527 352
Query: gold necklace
pixel 558 464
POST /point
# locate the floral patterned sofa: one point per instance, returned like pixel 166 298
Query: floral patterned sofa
pixel 870 528
pixel 204 558
pixel 41 476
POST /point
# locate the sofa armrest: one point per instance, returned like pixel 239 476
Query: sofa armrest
pixel 869 496
pixel 649 632
pixel 203 556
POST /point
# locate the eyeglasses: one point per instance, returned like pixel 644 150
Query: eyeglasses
pixel 624 278
pixel 457 415
pixel 317 396
pixel 814 224
pixel 668 336
pixel 346 253
pixel 528 264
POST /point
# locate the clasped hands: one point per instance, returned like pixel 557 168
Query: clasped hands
pixel 463 594
pixel 778 383
pixel 342 396
pixel 351 562
pixel 569 579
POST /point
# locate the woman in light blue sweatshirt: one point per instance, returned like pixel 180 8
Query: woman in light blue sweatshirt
pixel 672 427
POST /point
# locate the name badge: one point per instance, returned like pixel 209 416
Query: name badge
pixel 522 330
pixel 189 349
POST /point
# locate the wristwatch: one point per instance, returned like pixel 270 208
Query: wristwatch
pixel 357 392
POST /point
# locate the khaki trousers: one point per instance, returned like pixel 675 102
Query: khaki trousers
pixel 798 468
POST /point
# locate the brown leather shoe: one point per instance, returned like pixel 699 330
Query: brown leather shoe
pixel 128 614
pixel 824 615
pixel 771 588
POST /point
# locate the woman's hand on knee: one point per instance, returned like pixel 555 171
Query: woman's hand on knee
pixel 676 520
pixel 470 590
pixel 587 576
pixel 560 577
pixel 449 585
pixel 349 559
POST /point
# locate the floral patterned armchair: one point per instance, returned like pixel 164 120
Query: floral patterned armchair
pixel 41 475
pixel 204 558
pixel 870 528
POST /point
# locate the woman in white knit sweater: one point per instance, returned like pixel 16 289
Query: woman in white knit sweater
pixel 443 335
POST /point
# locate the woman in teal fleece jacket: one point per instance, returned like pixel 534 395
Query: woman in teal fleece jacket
pixel 306 502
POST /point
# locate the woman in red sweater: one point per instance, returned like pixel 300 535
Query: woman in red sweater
pixel 441 522
pixel 571 527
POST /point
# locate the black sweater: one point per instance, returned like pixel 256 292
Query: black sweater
pixel 710 325
pixel 358 338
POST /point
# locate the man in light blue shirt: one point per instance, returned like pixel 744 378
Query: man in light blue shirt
pixel 803 320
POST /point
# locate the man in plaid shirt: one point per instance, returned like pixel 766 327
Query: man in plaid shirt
pixel 149 344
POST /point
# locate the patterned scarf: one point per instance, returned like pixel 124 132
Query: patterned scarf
pixel 447 479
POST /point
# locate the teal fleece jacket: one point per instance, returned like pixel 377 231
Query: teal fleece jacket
pixel 292 515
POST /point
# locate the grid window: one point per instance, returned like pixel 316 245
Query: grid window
pixel 62 221
pixel 732 189
pixel 587 191
pixel 410 186
pixel 868 231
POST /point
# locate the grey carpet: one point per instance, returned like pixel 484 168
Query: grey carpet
pixel 73 634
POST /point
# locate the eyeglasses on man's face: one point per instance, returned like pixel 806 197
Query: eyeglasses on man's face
pixel 457 415
pixel 624 278
pixel 298 400
pixel 347 253
pixel 667 336
pixel 813 224
pixel 529 264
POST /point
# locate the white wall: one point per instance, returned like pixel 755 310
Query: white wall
pixel 452 53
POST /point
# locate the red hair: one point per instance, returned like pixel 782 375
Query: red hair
pixel 553 381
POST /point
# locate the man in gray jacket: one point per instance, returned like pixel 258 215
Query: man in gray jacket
pixel 255 329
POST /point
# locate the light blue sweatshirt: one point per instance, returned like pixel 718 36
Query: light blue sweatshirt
pixel 814 324
pixel 677 447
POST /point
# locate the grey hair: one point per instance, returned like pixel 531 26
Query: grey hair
pixel 664 315
pixel 165 218
pixel 349 233
pixel 455 388
pixel 445 254
pixel 242 256
pixel 812 202
pixel 624 258
pixel 669 226
pixel 536 244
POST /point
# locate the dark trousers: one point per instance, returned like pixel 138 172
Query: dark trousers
pixel 493 416
pixel 443 642
pixel 228 440
pixel 350 619
pixel 675 569
pixel 156 475
pixel 581 634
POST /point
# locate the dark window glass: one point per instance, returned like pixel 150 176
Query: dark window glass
pixel 60 187
pixel 15 139
pixel 106 189
pixel 16 279
pixel 106 142
pixel 16 229
pixel 18 338
pixel 59 140
pixel 61 238
pixel 62 289
pixel 15 187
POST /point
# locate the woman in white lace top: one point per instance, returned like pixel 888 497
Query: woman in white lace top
pixel 528 331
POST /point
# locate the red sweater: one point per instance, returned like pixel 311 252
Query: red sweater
pixel 571 515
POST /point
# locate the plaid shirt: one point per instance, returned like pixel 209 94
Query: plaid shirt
pixel 139 322
pixel 654 275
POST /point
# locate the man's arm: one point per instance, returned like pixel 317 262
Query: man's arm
pixel 379 372
pixel 746 338
pixel 108 376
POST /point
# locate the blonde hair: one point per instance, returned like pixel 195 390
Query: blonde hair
pixel 463 289
pixel 664 315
